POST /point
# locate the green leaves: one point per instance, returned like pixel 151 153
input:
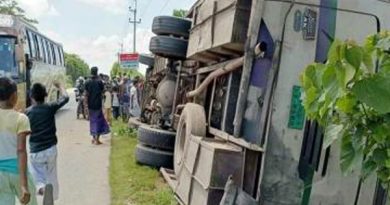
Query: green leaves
pixel 354 56
pixel 350 158
pixel 352 102
pixel 345 73
pixel 332 133
pixel 374 92
pixel 12 7
pixel 346 104
pixel 75 66
pixel 384 44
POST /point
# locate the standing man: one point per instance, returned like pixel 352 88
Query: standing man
pixel 94 89
pixel 124 93
pixel 135 110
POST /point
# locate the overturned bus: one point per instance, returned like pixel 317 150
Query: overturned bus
pixel 224 102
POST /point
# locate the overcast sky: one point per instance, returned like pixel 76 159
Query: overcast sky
pixel 95 29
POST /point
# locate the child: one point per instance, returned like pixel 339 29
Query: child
pixel 108 104
pixel 43 140
pixel 14 129
pixel 115 102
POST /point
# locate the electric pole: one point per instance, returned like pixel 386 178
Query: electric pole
pixel 134 21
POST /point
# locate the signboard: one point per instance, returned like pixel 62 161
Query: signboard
pixel 129 60
pixel 309 24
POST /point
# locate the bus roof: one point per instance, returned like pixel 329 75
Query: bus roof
pixel 13 21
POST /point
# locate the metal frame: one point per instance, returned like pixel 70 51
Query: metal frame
pixel 238 141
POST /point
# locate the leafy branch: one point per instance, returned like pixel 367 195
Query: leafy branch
pixel 11 7
pixel 349 96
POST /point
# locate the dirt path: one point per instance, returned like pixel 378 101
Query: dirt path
pixel 82 167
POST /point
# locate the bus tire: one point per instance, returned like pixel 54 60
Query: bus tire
pixel 153 157
pixel 146 60
pixel 169 47
pixel 170 25
pixel 192 122
pixel 156 138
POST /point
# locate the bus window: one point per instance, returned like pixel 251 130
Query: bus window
pixel 38 53
pixel 61 55
pixel 57 54
pixel 26 44
pixel 53 54
pixel 8 65
pixel 40 48
pixel 32 44
pixel 44 49
pixel 49 53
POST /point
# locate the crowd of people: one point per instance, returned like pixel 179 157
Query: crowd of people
pixel 99 98
pixel 121 98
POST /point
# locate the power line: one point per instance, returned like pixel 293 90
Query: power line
pixel 165 5
pixel 134 22
pixel 125 30
pixel 145 9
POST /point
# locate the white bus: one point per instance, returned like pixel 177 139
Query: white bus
pixel 27 56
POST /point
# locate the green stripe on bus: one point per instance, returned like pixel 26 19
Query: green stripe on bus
pixel 308 183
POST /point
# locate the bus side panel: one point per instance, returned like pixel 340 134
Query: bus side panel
pixel 288 179
pixel 282 184
pixel 378 7
pixel 334 187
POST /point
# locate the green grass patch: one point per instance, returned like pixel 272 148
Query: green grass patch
pixel 133 184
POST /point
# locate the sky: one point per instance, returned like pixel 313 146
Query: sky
pixel 95 29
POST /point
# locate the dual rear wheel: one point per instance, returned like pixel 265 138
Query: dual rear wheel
pixel 172 37
pixel 162 148
pixel 155 147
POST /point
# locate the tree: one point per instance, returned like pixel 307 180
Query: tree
pixel 349 96
pixel 11 7
pixel 116 71
pixel 75 67
pixel 180 13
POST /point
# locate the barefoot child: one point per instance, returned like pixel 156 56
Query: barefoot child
pixel 43 141
pixel 14 128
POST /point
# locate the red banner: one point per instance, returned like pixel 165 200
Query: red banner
pixel 129 60
pixel 129 57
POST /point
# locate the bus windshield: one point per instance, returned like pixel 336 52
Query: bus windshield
pixel 8 65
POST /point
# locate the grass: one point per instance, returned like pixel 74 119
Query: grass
pixel 133 184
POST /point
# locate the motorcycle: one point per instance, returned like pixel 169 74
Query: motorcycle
pixel 80 104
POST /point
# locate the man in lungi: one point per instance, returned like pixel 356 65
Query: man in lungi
pixel 94 89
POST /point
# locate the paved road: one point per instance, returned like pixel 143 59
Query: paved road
pixel 82 167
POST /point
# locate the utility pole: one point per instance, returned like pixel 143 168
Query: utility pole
pixel 119 53
pixel 134 21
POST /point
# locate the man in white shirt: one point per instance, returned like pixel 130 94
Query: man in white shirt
pixel 135 110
